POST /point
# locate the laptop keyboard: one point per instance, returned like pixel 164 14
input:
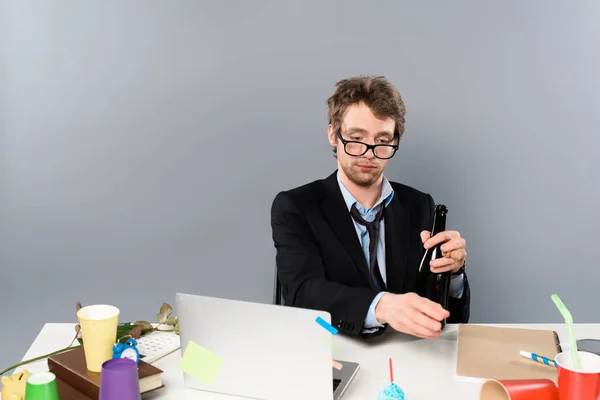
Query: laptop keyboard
pixel 336 383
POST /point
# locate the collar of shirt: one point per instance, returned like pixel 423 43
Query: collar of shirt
pixel 387 193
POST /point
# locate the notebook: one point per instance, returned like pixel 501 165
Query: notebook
pixel 488 352
pixel 67 392
pixel 70 367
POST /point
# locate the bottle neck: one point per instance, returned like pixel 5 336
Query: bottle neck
pixel 439 223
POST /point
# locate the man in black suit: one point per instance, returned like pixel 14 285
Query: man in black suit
pixel 351 243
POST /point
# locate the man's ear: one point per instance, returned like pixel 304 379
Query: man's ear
pixel 331 136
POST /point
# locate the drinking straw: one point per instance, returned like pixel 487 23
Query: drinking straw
pixel 569 321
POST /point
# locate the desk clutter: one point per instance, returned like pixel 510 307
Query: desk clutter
pixel 69 379
pixel 108 364
pixel 71 369
pixel 510 363
pixel 39 386
pixel 527 364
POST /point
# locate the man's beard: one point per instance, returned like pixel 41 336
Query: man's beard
pixel 359 178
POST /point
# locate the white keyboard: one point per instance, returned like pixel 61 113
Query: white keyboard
pixel 156 345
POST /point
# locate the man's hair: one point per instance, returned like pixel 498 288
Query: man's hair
pixel 376 92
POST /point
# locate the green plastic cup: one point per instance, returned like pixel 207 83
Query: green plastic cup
pixel 41 386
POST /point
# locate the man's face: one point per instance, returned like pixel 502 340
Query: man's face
pixel 360 124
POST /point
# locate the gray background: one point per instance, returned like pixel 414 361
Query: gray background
pixel 142 144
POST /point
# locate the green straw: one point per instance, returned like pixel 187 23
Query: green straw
pixel 569 321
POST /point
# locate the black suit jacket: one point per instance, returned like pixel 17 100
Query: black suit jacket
pixel 320 262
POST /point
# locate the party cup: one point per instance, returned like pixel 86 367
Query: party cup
pixel 119 380
pixel 519 389
pixel 99 333
pixel 41 386
pixel 582 384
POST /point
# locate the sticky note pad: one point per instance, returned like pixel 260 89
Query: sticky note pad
pixel 326 325
pixel 200 363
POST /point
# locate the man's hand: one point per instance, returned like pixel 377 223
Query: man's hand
pixel 453 250
pixel 411 314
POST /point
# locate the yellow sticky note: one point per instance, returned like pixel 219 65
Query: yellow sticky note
pixel 200 363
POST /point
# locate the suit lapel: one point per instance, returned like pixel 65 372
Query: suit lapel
pixel 397 242
pixel 339 218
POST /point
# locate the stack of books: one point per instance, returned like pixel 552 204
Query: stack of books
pixel 75 382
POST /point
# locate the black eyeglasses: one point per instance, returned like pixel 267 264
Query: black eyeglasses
pixel 354 148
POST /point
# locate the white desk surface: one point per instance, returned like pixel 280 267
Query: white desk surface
pixel 424 369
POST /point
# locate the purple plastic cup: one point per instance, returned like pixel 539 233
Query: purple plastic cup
pixel 119 380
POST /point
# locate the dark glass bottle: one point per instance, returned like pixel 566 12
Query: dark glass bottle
pixel 435 287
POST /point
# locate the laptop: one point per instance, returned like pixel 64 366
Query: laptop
pixel 267 352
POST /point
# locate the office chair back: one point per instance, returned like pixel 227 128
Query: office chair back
pixel 277 295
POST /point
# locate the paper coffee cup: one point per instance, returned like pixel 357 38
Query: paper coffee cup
pixel 99 333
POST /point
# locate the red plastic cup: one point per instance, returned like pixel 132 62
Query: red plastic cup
pixel 519 389
pixel 583 384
